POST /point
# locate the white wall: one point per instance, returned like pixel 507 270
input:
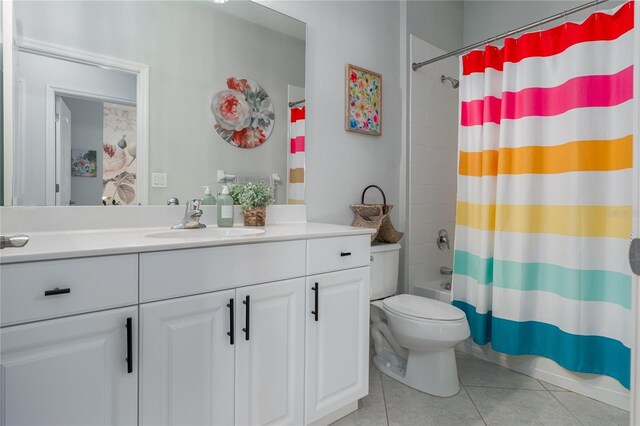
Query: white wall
pixel 433 146
pixel 87 118
pixel 29 158
pixel 484 19
pixel 191 49
pixel 341 164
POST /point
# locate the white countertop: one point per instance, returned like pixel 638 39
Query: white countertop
pixel 101 242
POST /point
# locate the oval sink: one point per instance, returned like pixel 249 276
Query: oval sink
pixel 207 233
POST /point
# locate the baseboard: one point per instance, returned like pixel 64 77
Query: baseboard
pixel 336 415
pixel 598 387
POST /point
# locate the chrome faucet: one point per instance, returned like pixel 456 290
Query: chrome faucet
pixel 192 216
pixel 443 239
pixel 444 270
pixel 13 240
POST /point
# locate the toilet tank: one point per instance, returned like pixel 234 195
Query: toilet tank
pixel 385 260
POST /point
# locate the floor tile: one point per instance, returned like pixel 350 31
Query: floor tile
pixel 476 372
pixel 590 411
pixel 371 409
pixel 519 407
pixel 550 387
pixel 407 406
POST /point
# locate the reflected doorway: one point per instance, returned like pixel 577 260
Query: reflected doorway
pixel 96 151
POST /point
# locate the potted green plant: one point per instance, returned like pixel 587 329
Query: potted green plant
pixel 254 199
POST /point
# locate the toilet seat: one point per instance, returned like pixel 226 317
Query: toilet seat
pixel 422 308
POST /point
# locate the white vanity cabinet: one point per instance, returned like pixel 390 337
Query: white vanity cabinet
pixel 187 361
pixel 77 370
pixel 59 364
pixel 270 354
pixel 273 332
pixel 337 341
pixel 202 355
pixel 337 327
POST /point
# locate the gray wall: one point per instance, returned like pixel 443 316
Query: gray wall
pixel 339 163
pixel 87 119
pixel 191 49
pixel 484 19
pixel 436 22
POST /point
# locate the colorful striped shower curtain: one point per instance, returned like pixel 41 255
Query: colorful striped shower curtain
pixel 545 193
pixel 295 190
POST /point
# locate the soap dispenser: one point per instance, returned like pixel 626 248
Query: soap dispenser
pixel 225 208
pixel 208 199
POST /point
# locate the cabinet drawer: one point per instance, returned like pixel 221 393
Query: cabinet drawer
pixel 334 254
pixel 39 290
pixel 183 272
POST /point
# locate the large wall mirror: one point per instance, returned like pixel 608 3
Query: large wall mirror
pixel 135 103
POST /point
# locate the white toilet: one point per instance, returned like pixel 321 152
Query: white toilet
pixel 413 336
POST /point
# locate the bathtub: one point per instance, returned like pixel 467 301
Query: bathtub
pixel 437 290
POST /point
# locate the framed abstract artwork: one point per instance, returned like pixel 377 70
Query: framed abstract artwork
pixel 363 107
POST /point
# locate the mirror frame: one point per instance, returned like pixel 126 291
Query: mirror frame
pixel 12 44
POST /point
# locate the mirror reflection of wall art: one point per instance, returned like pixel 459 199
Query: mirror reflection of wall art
pixel 84 163
pixel 244 113
pixel 363 101
pixel 119 168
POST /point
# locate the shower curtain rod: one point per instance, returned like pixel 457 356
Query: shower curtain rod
pixel 417 65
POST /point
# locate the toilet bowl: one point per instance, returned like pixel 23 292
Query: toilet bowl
pixel 413 336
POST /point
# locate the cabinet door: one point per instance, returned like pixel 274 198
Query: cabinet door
pixel 187 361
pixel 337 349
pixel 270 354
pixel 71 371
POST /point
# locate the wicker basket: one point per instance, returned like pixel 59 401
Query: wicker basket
pixel 255 216
pixel 368 215
pixel 371 218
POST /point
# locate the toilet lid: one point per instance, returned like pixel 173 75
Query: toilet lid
pixel 422 307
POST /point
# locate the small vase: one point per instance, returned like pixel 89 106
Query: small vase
pixel 255 216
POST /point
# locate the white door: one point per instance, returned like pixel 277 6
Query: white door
pixel 337 341
pixel 270 354
pixel 187 361
pixel 63 153
pixel 71 371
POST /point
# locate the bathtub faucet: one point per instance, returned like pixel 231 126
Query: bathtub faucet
pixel 446 271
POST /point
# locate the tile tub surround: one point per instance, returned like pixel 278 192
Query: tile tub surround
pixel 433 147
pixel 511 399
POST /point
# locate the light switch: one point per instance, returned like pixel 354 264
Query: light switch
pixel 158 180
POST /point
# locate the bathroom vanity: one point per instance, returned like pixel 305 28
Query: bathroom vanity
pixel 136 326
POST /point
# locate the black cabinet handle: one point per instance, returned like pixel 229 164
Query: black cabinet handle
pixel 315 303
pixel 231 332
pixel 129 345
pixel 345 253
pixel 56 291
pixel 247 318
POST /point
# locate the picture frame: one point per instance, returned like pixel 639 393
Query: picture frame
pixel 363 101
pixel 84 163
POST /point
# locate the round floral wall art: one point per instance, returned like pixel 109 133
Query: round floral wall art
pixel 244 113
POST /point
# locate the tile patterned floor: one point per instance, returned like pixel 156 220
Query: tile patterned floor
pixel 489 395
